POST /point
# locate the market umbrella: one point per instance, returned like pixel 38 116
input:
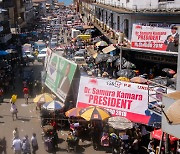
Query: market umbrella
pixel 123 79
pixel 111 58
pixel 173 113
pixel 120 123
pixel 94 113
pixel 96 40
pixel 138 79
pixel 120 61
pixel 53 105
pixel 128 64
pixel 101 57
pixel 128 73
pixel 157 134
pixel 74 112
pixel 168 70
pixel 78 43
pixel 43 98
pixel 160 80
pixel 101 44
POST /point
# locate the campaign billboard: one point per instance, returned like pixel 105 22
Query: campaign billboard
pixel 155 38
pixel 120 98
pixel 60 73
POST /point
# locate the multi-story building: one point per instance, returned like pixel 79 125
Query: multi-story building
pixel 29 11
pixel 120 15
pixel 6 7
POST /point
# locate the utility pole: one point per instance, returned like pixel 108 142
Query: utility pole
pixel 178 64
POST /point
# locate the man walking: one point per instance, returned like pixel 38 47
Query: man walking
pixel 34 143
pixel 16 146
pixel 26 94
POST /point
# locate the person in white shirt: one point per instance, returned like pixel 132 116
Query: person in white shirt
pixel 15 133
pixel 13 110
pixel 16 146
pixel 34 143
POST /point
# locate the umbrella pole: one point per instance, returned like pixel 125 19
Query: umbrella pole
pixel 160 144
pixel 167 144
pixel 120 56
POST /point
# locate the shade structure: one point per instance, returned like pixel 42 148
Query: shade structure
pixel 120 123
pixel 157 134
pixel 74 112
pixel 173 112
pixel 53 105
pixel 94 113
pixel 101 44
pixel 43 98
pixel 128 73
pixel 138 79
pixel 3 53
pixel 109 49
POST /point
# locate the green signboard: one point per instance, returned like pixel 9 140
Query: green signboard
pixel 60 73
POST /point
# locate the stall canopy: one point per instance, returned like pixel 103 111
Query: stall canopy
pixel 3 53
pixel 109 49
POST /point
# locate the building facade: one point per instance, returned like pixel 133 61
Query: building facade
pixel 118 16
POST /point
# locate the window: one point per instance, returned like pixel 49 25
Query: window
pixel 118 23
pixel 106 17
pixel 126 27
pixel 112 22
pixel 166 0
pixel 127 1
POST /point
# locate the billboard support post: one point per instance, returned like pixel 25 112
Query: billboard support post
pixel 178 64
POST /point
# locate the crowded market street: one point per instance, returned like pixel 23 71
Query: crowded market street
pixel 29 121
pixel 69 83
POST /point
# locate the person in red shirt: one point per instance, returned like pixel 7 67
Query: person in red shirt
pixel 26 94
pixel 1 95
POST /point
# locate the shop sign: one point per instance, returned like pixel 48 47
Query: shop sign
pixel 154 38
pixel 120 98
pixel 60 73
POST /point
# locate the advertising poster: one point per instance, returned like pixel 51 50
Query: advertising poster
pixel 155 38
pixel 60 73
pixel 120 98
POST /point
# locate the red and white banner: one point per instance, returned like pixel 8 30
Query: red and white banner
pixel 154 38
pixel 120 98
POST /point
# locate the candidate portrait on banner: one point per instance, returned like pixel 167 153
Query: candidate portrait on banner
pixel 172 40
pixel 64 83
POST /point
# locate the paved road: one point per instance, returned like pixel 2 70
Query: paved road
pixel 29 121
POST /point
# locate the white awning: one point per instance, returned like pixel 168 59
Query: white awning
pixel 109 49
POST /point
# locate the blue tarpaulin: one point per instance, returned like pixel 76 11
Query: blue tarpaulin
pixel 3 53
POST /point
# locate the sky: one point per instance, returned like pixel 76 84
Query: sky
pixel 66 2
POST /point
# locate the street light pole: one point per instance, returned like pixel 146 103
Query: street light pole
pixel 178 64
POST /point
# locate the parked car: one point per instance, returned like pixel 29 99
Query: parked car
pixel 41 56
pixel 28 57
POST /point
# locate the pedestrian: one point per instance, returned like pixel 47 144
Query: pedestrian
pixel 16 146
pixel 3 143
pixel 1 95
pixel 15 133
pixel 13 110
pixel 26 94
pixel 34 143
pixel 26 148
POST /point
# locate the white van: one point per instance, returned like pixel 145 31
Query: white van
pixel 79 60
